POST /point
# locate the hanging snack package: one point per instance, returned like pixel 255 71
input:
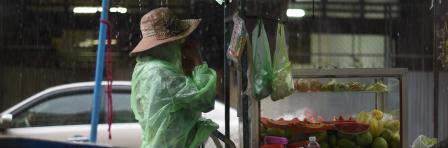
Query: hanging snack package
pixel 262 60
pixel 282 84
pixel 238 40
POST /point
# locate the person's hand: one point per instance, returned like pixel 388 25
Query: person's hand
pixel 190 58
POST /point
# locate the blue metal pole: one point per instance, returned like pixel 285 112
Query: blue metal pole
pixel 96 101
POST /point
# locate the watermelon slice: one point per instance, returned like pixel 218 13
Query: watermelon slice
pixel 352 128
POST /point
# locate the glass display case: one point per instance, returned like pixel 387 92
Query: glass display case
pixel 340 107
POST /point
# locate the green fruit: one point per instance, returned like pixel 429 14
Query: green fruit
pixel 344 143
pixel 298 137
pixel 288 133
pixel 332 140
pixel 364 139
pixel 262 128
pixel 363 117
pixel 324 145
pixel 393 125
pixel 387 134
pixel 275 132
pixel 395 141
pixel 346 136
pixel 379 142
pixel 376 127
pixel 321 136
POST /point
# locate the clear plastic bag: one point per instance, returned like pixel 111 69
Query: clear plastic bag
pixel 262 60
pixel 238 40
pixel 282 84
pixel 424 142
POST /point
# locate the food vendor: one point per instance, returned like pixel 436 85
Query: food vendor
pixel 167 102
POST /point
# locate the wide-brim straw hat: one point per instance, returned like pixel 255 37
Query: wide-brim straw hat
pixel 161 26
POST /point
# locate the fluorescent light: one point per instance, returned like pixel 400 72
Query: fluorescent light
pixel 295 12
pixel 91 42
pixel 98 9
pixel 85 9
pixel 118 9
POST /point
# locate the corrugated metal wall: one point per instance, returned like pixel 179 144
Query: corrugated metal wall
pixel 420 102
pixel 420 96
pixel 443 106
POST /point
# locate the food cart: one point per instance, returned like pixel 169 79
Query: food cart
pixel 330 104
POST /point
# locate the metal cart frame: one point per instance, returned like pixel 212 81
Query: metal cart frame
pixel 250 107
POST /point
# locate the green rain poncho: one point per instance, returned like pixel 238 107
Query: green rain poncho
pixel 168 104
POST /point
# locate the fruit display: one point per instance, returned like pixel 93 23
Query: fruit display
pixel 352 127
pixel 356 86
pixel 330 86
pixel 364 130
pixel 377 87
pixel 303 85
pixel 315 85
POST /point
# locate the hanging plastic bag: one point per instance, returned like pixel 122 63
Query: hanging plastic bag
pixel 262 60
pixel 282 85
pixel 238 40
pixel 424 142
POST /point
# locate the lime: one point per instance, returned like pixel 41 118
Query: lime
pixel 364 139
pixel 321 136
pixel 275 132
pixel 332 140
pixel 395 141
pixel 379 142
pixel 324 145
pixel 346 136
pixel 344 143
pixel 387 134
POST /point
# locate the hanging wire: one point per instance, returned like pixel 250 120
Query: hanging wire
pixel 313 10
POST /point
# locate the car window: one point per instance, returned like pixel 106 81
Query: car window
pixel 122 112
pixel 72 109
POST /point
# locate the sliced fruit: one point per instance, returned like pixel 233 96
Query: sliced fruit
pixel 378 86
pixel 353 128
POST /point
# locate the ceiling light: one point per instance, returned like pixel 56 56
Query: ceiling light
pixel 118 9
pixel 295 12
pixel 85 9
pixel 98 9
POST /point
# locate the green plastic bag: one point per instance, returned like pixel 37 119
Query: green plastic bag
pixel 262 58
pixel 282 85
pixel 168 104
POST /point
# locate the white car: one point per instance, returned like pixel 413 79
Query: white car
pixel 62 113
